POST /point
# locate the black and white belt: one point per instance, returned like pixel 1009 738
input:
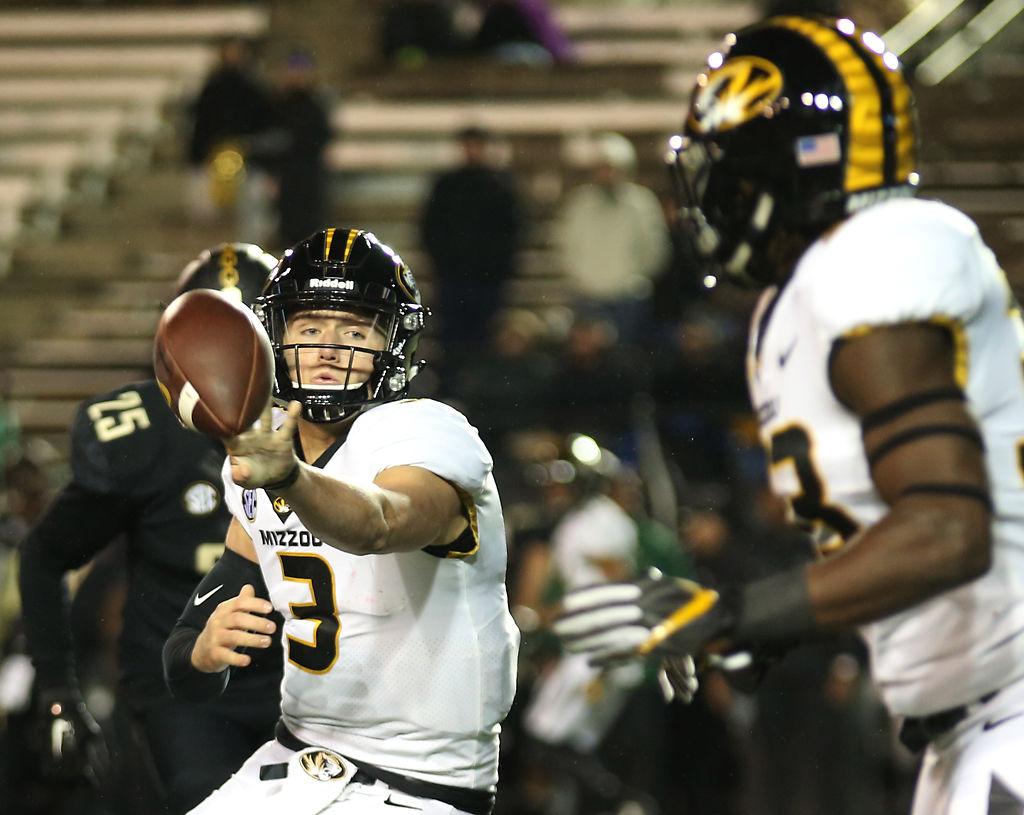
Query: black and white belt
pixel 477 802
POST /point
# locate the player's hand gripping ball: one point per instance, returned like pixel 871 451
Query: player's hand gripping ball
pixel 213 362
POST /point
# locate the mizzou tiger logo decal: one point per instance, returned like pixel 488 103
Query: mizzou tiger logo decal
pixel 741 90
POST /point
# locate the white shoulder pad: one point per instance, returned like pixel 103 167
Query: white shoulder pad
pixel 900 261
pixel 424 433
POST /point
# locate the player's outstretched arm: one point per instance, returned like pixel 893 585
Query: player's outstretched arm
pixel 223 615
pixel 404 509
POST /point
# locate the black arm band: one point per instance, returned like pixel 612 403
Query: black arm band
pixel 286 482
pixel 915 433
pixel 902 406
pixel 959 490
pixel 775 609
pixel 222 582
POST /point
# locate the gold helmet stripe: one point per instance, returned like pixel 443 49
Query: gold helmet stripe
pixel 865 148
pixel 352 235
pixel 328 239
pixel 905 145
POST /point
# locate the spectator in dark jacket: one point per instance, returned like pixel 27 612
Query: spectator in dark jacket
pixel 231 104
pixel 230 113
pixel 472 225
pixel 303 120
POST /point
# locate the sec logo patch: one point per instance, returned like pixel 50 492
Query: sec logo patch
pixel 201 498
pixel 249 504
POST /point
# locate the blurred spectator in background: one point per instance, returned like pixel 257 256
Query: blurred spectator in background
pixel 231 110
pixel 10 430
pixel 595 382
pixel 522 31
pixel 573 704
pixel 413 30
pixel 472 226
pixel 506 389
pixel 304 121
pixel 613 240
pixel 698 383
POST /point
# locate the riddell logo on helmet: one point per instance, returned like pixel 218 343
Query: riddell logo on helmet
pixel 332 283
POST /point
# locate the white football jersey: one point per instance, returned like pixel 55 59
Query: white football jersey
pixel 598 529
pixel 901 261
pixel 405 661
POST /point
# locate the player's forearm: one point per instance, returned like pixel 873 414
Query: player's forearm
pixel 183 679
pixel 44 606
pixel 920 549
pixel 355 518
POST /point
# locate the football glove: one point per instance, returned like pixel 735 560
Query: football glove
pixel 677 678
pixel 659 615
pixel 69 739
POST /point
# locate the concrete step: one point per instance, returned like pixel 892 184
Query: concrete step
pixel 587 20
pixel 962 173
pixel 617 113
pixel 132 25
pixel 979 202
pixel 645 76
pixel 38 415
pixel 68 383
pixel 132 353
pixel 110 323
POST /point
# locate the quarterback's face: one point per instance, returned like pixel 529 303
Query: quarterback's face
pixel 318 364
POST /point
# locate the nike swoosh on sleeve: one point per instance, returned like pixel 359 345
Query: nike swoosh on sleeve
pixel 202 598
pixel 992 724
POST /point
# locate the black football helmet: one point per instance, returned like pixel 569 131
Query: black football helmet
pixel 236 269
pixel 796 123
pixel 347 270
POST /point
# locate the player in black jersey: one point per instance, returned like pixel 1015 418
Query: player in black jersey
pixel 138 474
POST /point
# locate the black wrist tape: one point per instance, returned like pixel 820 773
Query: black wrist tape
pixel 286 482
pixel 775 609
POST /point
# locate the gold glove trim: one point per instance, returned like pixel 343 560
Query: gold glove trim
pixel 699 604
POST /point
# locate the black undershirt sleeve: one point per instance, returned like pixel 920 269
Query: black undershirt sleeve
pixel 224 581
pixel 78 524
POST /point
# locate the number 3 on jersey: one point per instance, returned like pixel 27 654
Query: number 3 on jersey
pixel 793 445
pixel 318 656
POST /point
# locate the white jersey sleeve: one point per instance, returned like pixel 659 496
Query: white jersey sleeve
pixel 902 261
pixel 428 434
pixel 232 493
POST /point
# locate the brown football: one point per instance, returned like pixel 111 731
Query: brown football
pixel 213 362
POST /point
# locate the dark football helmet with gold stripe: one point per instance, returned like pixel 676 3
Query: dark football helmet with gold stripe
pixel 796 123
pixel 238 270
pixel 346 271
